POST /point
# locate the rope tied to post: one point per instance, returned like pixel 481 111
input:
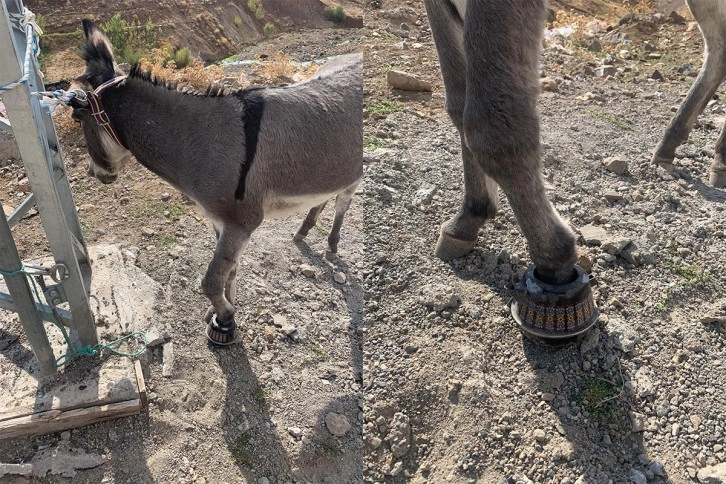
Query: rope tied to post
pixel 89 350
pixel 50 99
pixel 27 24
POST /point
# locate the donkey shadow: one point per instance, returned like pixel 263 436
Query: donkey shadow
pixel 251 434
pixel 246 418
pixel 710 193
pixel 352 293
pixel 317 455
pixel 592 396
pixel 255 442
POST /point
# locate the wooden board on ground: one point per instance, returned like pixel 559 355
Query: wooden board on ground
pixel 89 390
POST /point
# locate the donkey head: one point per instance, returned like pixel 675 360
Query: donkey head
pixel 107 156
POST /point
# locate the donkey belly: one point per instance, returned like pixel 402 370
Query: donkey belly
pixel 281 206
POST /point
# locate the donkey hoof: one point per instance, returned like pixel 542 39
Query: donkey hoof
pixel 222 334
pixel 661 160
pixel 330 255
pixel 299 237
pixel 448 247
pixel 552 312
pixel 717 179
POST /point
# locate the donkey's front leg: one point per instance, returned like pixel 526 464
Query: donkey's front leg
pixel 501 128
pixel 219 282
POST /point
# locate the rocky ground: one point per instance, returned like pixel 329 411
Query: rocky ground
pixel 284 405
pixel 453 393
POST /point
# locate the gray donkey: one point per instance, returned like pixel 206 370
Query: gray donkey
pixel 711 18
pixel 489 53
pixel 242 157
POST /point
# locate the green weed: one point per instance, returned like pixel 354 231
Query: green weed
pixel 374 143
pixel 596 398
pixel 384 107
pixel 260 396
pixel 182 57
pixel 334 14
pixel 240 450
pixel 81 187
pixel 169 240
pixel 611 118
pixel 318 352
pixel 131 40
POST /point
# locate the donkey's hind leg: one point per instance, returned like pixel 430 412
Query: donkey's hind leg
pixel 342 203
pixel 459 234
pixel 711 75
pixel 309 222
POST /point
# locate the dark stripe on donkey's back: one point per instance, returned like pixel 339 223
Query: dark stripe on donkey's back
pixel 253 107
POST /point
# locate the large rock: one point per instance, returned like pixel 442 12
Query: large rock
pixel 713 474
pixel 407 82
pixel 337 424
pixel 8 149
pixel 593 234
pixel 616 165
pixel 399 436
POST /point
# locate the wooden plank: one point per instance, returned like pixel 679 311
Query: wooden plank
pixel 86 391
pixel 59 420
pixel 141 383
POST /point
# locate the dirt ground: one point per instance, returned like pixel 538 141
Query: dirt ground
pixel 420 356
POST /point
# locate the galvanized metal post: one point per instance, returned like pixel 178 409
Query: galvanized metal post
pixel 40 151
pixel 25 302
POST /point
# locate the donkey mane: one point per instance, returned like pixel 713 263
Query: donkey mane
pixel 213 89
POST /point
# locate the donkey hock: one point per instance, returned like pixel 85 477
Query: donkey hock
pixel 489 54
pixel 242 157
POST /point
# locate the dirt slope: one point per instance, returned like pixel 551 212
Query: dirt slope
pixel 208 28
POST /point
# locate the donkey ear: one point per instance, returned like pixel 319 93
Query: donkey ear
pixel 96 38
pixel 98 54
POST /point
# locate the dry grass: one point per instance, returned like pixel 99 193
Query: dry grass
pixel 281 69
pixel 194 76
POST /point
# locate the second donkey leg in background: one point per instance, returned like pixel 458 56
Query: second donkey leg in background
pixel 711 18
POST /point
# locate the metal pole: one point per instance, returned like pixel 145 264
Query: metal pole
pixel 33 131
pixel 25 303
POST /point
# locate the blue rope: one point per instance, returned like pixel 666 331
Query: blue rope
pixel 32 47
pixel 89 350
pixel 32 50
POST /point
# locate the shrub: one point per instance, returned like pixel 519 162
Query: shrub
pixel 268 28
pixel 183 58
pixel 237 21
pixel 334 14
pixel 178 58
pixel 260 13
pixel 254 4
pixel 131 40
